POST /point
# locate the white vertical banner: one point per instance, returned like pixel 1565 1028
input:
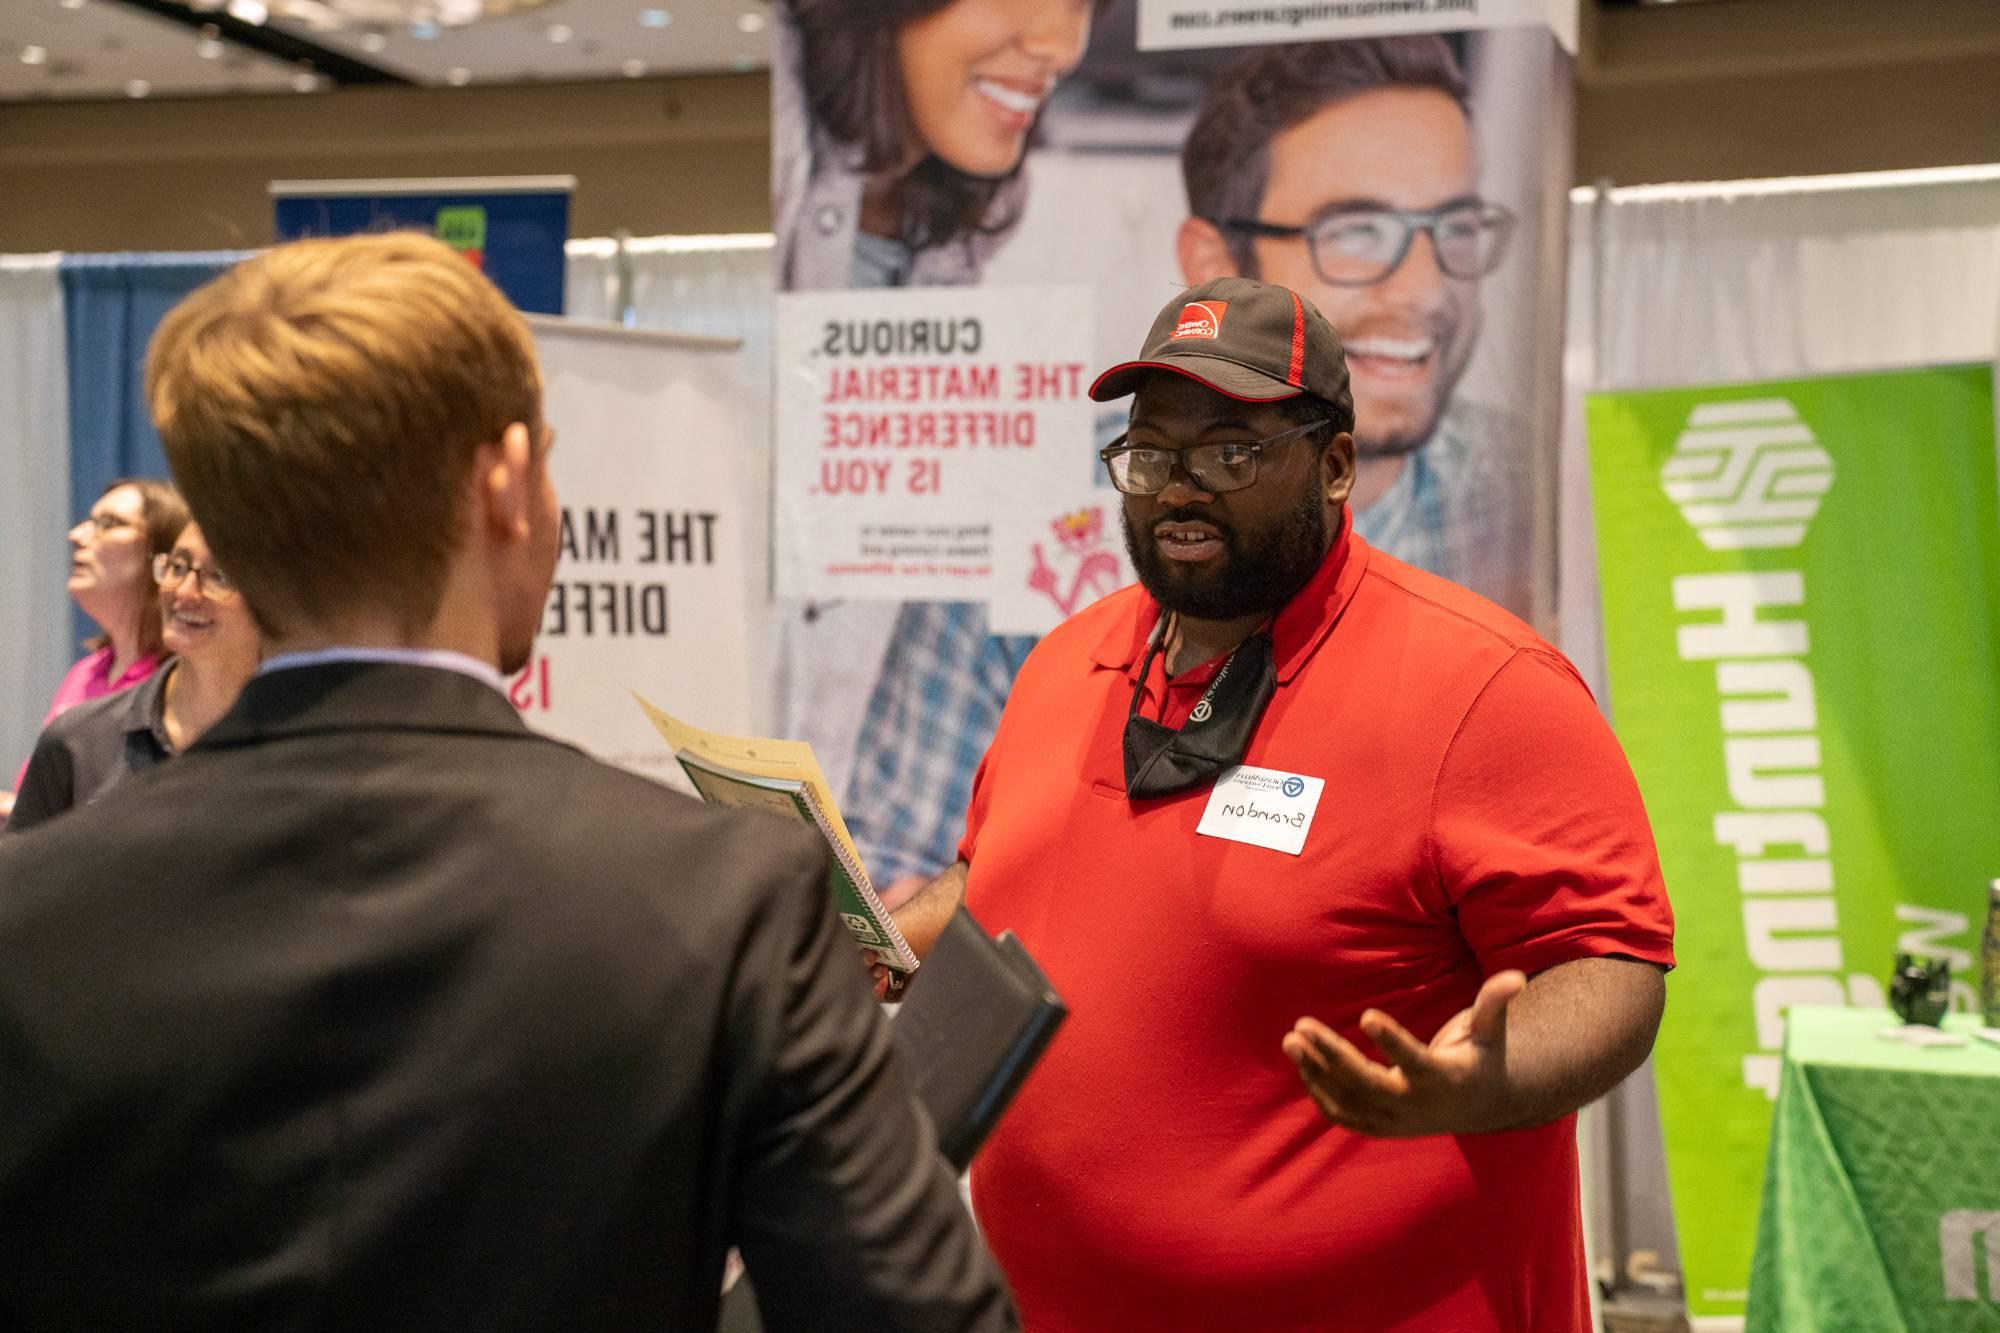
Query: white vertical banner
pixel 1399 163
pixel 652 591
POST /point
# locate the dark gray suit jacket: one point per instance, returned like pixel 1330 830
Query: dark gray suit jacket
pixel 378 1011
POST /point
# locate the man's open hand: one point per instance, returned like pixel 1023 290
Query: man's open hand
pixel 1457 1084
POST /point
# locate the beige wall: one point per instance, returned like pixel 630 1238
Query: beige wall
pixel 682 155
pixel 1683 92
pixel 1786 88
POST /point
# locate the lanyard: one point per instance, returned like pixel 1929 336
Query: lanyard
pixel 1162 760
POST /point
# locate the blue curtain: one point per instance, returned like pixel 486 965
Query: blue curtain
pixel 111 305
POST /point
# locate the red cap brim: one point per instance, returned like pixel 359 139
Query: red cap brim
pixel 1227 378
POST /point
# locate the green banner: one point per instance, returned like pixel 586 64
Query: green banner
pixel 1801 587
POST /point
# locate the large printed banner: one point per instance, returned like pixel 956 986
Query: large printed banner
pixel 651 592
pixel 1802 631
pixel 979 207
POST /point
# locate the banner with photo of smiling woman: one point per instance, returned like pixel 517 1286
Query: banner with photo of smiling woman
pixel 1061 168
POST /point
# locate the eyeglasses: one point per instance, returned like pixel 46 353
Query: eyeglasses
pixel 1137 470
pixel 170 570
pixel 1354 245
pixel 107 522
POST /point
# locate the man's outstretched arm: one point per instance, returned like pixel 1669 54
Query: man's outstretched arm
pixel 1526 1052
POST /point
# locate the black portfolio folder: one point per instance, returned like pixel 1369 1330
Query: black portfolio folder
pixel 979 1014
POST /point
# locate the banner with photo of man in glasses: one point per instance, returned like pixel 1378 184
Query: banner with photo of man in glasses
pixel 1409 182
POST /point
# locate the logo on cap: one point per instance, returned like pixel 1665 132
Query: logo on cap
pixel 1201 319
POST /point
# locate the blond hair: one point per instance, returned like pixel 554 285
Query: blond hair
pixel 320 405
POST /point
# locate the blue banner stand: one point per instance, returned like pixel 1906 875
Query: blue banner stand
pixel 511 227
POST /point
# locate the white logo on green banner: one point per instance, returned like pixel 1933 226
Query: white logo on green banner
pixel 1807 680
pixel 1747 474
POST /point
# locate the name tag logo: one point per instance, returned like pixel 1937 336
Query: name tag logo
pixel 1263 807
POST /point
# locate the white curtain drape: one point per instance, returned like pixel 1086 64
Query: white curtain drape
pixel 1744 281
pixel 35 643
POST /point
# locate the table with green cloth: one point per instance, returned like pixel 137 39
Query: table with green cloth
pixel 1881 1209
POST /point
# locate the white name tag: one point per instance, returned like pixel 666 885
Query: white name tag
pixel 1262 806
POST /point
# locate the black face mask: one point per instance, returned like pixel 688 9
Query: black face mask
pixel 1160 760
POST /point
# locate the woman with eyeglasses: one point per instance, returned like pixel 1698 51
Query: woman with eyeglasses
pixel 96 745
pixel 111 578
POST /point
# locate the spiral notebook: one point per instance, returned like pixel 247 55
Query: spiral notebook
pixel 784 777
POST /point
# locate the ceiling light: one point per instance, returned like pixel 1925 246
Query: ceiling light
pixel 303 82
pixel 458 76
pixel 423 30
pixel 635 69
pixel 208 49
pixel 138 88
pixel 34 55
pixel 654 18
pixel 750 23
pixel 364 15
pixel 560 33
pixel 312 14
pixel 374 42
pixel 71 4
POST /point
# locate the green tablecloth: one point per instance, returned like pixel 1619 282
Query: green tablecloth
pixel 1881 1209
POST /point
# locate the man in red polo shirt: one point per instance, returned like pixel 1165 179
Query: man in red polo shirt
pixel 1345 880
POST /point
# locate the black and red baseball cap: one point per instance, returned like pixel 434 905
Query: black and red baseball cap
pixel 1253 341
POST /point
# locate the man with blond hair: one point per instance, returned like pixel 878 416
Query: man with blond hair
pixel 379 1011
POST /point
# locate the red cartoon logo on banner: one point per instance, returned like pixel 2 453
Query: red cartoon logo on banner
pixel 1080 551
pixel 1201 319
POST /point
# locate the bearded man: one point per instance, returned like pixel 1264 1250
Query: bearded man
pixel 1344 878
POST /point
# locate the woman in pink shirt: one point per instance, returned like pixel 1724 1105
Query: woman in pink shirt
pixel 111 577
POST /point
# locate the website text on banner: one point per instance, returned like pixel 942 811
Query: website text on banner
pixel 1802 632
pixel 1171 23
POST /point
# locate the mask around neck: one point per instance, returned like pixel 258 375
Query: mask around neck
pixel 1162 760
